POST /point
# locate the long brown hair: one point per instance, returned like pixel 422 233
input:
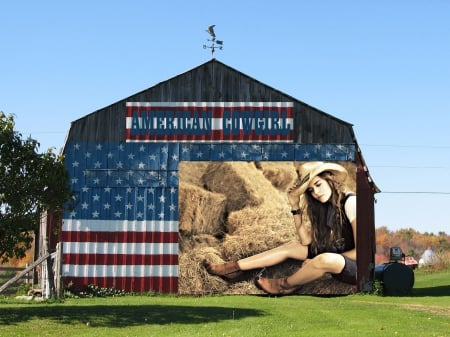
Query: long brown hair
pixel 323 236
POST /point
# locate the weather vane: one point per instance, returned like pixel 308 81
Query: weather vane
pixel 215 44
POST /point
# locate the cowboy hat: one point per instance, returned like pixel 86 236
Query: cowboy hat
pixel 309 170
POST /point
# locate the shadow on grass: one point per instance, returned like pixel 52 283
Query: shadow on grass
pixel 125 316
pixel 432 291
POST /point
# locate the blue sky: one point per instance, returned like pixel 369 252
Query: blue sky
pixel 381 65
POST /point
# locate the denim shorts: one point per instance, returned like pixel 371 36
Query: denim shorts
pixel 348 274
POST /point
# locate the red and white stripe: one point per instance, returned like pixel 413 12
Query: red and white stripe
pixel 135 256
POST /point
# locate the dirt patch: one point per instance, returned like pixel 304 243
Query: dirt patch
pixel 432 309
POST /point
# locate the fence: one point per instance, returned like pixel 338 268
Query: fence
pixel 7 273
pixel 50 280
pixel 24 272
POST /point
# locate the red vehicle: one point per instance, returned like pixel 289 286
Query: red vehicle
pixel 409 261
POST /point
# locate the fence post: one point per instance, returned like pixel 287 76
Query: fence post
pixel 58 262
pixel 50 275
pixel 27 275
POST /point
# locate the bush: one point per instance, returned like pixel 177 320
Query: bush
pixel 95 291
pixel 23 289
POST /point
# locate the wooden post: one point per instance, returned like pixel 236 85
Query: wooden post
pixel 58 265
pixel 50 275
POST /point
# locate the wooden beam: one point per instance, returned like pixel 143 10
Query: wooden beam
pixel 23 272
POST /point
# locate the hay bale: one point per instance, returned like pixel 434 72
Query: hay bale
pixel 282 175
pixel 240 182
pixel 193 279
pixel 200 211
pixel 326 286
pixel 187 241
pixel 268 216
pixel 257 229
pixel 192 171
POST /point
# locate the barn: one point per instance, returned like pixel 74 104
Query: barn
pixel 124 159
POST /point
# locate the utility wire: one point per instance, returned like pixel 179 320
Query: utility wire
pixel 407 146
pixel 414 192
pixel 412 167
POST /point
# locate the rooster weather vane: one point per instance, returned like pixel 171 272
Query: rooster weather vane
pixel 215 44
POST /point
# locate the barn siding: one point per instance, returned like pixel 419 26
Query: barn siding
pixel 365 243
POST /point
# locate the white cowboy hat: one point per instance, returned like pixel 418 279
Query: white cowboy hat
pixel 309 170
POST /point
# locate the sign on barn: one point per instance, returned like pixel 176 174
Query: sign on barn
pixel 212 121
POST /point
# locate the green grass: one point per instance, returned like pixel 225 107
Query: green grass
pixel 425 313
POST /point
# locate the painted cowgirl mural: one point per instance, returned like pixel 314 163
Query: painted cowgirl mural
pixel 324 214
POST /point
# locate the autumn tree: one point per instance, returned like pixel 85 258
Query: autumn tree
pixel 29 183
pixel 383 240
pixel 410 241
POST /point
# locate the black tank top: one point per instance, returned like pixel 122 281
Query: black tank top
pixel 345 241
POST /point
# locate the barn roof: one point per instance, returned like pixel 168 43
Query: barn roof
pixel 214 81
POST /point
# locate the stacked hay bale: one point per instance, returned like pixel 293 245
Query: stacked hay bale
pixel 232 210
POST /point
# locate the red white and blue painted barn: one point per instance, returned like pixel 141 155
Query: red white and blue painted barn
pixel 123 162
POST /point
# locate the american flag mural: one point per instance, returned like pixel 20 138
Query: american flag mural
pixel 122 230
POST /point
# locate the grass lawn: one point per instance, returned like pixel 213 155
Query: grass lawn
pixel 425 313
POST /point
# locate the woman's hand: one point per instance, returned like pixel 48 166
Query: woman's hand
pixel 294 196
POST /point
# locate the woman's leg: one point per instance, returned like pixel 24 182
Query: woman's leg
pixel 311 270
pixel 317 267
pixel 231 270
pixel 290 250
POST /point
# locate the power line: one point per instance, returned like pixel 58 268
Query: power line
pixel 412 167
pixel 44 132
pixel 414 192
pixel 408 146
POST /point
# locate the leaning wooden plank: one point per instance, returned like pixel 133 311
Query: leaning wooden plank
pixel 23 272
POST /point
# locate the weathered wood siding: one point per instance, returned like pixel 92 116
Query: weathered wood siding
pixel 213 82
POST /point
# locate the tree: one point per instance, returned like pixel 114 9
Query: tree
pixel 30 182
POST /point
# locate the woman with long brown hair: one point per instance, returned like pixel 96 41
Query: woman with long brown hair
pixel 328 245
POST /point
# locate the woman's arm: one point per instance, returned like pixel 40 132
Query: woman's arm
pixel 350 211
pixel 352 253
pixel 301 229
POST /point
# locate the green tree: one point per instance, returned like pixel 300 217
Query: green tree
pixel 30 182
